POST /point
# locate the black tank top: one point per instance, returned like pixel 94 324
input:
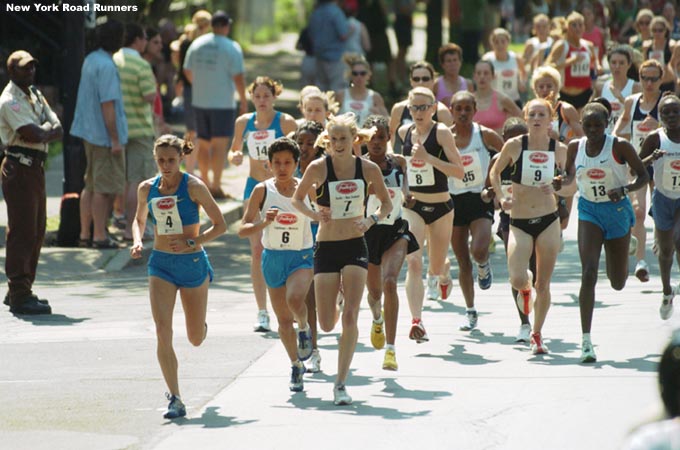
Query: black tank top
pixel 516 175
pixel 322 197
pixel 405 119
pixel 441 183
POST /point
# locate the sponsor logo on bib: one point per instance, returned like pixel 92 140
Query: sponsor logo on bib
pixel 538 157
pixel 166 203
pixel 286 218
pixel 356 106
pixel 675 164
pixel 259 135
pixel 467 160
pixel 392 193
pixel 508 72
pixel 644 128
pixel 418 163
pixel 596 174
pixel 346 188
pixel 616 106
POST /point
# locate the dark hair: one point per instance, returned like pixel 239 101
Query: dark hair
pixel 449 49
pixel 376 120
pixel 151 33
pixel 110 35
pixel 284 144
pixel 595 108
pixel 667 97
pixel 484 61
pixel 274 86
pixel 514 125
pixel 463 96
pixel 604 102
pixel 669 376
pixel 132 32
pixel 422 65
pixel 183 146
pixel 624 50
pixel 309 126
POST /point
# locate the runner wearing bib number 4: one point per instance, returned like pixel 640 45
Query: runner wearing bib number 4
pixel 178 261
pixel 600 163
pixel 257 131
pixel 663 148
pixel 287 259
pixel 474 217
pixel 340 252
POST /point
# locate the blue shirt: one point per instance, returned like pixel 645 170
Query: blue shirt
pixel 99 83
pixel 327 25
pixel 214 60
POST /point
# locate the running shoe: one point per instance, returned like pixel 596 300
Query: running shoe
pixel 632 246
pixel 470 321
pixel 304 350
pixel 418 332
pixel 484 275
pixel 642 271
pixel 432 287
pixel 176 408
pixel 537 345
pixel 666 308
pixel 587 351
pixel 378 333
pixel 262 325
pixel 524 333
pixel 296 384
pixel 524 301
pixel 340 395
pixel 315 362
pixel 445 289
pixel 390 361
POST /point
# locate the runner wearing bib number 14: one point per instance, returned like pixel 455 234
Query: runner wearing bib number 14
pixel 340 252
pixel 287 259
pixel 663 148
pixel 600 163
pixel 257 131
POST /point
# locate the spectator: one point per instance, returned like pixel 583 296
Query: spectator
pixel 642 26
pixel 358 41
pixel 669 14
pixel 328 31
pixel 214 66
pixel 373 14
pixel 27 125
pixel 165 68
pixel 308 66
pixel 403 29
pixel 153 55
pixel 472 28
pixel 100 121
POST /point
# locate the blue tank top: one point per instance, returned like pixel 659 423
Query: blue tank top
pixel 188 209
pixel 250 127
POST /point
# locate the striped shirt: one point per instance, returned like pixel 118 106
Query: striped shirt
pixel 136 81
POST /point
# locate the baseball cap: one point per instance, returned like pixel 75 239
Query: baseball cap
pixel 220 18
pixel 20 58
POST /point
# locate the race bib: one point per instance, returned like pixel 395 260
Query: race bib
pixel 346 198
pixel 594 183
pixel 420 173
pixel 473 176
pixel 259 142
pixel 396 197
pixel 167 215
pixel 538 167
pixel 508 82
pixel 658 55
pixel 671 175
pixel 617 109
pixel 581 68
pixel 640 132
pixel 286 232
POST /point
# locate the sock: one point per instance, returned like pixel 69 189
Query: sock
pixel 470 309
pixel 298 363
pixel 379 321
pixel 389 347
pixel 586 336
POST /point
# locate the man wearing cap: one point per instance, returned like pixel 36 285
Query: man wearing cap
pixel 214 67
pixel 27 125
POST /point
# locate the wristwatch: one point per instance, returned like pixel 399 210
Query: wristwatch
pixel 375 218
pixel 191 243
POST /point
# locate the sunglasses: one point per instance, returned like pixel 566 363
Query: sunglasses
pixel 361 73
pixel 650 79
pixel 419 79
pixel 644 22
pixel 420 108
pixel 658 30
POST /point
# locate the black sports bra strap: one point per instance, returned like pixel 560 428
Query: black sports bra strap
pixel 330 172
pixel 525 142
pixel 551 146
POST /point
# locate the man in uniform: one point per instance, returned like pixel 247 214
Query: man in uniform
pixel 27 125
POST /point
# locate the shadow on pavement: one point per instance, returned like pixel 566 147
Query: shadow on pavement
pixel 50 319
pixel 211 419
pixel 395 390
pixel 457 354
pixel 480 337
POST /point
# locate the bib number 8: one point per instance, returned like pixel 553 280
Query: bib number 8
pixel 419 179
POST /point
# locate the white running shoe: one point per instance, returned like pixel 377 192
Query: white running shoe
pixel 433 287
pixel 315 362
pixel 262 325
pixel 666 308
pixel 524 333
pixel 340 395
pixel 642 271
pixel 587 352
pixel 632 245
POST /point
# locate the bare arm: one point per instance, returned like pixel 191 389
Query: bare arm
pixel 109 114
pixel 620 130
pixel 200 194
pixel 140 219
pixel 251 222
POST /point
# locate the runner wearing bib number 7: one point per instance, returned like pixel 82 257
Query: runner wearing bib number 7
pixel 257 131
pixel 340 253
pixel 178 261
pixel 287 259
pixel 600 163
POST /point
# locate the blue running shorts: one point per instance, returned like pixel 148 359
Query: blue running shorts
pixel 278 265
pixel 614 219
pixel 184 270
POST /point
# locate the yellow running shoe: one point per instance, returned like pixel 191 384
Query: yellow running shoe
pixel 390 361
pixel 378 333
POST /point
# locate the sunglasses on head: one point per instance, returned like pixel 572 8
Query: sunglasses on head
pixel 359 73
pixel 419 79
pixel 420 108
pixel 650 79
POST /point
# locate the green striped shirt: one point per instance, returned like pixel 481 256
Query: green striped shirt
pixel 136 81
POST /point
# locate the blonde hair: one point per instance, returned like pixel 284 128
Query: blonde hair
pixel 542 101
pixel 202 20
pixel 183 146
pixel 575 16
pixel 348 120
pixel 546 71
pixel 420 90
pixel 353 59
pixel 328 99
pixel 499 32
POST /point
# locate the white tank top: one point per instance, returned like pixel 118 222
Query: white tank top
pixel 290 230
pixel 538 46
pixel 667 168
pixel 597 175
pixel 475 158
pixel 507 74
pixel 617 107
pixel 360 108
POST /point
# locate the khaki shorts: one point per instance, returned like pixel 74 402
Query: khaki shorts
pixel 104 173
pixel 139 162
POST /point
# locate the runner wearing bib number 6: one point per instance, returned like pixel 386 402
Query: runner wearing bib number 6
pixel 600 163
pixel 534 220
pixel 432 156
pixel 340 253
pixel 662 148
pixel 257 131
pixel 287 257
pixel 178 261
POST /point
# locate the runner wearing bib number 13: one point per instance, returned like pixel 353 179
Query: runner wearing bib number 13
pixel 287 257
pixel 257 131
pixel 663 148
pixel 600 163
pixel 340 252
pixel 178 261
pixel 432 157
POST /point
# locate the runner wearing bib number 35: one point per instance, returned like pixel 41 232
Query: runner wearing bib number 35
pixel 340 253
pixel 257 131
pixel 178 261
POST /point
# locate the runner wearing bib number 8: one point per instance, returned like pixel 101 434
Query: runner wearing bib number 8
pixel 600 163
pixel 340 254
pixel 178 261
pixel 257 131
pixel 430 148
pixel 287 259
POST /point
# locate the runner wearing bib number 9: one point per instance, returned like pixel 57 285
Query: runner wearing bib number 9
pixel 287 257
pixel 342 181
pixel 432 157
pixel 178 261
pixel 257 131
pixel 662 147
pixel 534 220
pixel 600 163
